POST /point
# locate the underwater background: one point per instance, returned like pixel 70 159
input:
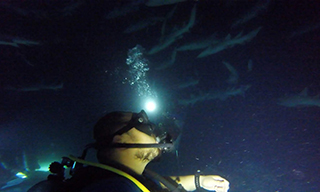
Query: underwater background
pixel 241 79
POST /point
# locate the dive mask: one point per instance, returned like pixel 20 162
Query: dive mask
pixel 141 122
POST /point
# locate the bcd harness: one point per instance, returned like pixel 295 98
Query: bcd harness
pixel 168 184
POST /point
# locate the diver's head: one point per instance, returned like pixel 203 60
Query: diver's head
pixel 109 124
pixel 128 130
pixel 118 122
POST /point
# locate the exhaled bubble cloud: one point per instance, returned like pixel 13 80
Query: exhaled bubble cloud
pixel 138 68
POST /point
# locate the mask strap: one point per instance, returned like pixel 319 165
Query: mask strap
pixel 166 146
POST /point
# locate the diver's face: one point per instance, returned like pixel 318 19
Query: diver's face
pixel 144 154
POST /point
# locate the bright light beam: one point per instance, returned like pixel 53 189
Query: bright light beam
pixel 150 106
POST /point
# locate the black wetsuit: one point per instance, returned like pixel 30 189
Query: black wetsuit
pixel 93 179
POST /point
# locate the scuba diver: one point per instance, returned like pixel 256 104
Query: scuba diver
pixel 16 167
pixel 125 142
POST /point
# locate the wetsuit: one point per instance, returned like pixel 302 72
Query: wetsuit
pixel 94 179
pixel 97 179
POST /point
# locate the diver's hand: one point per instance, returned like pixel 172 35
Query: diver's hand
pixel 214 183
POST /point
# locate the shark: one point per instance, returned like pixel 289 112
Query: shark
pixel 122 11
pixel 199 44
pixel 177 34
pixel 140 25
pixel 189 83
pixel 229 42
pixel 169 63
pixel 156 3
pixel 42 12
pixel 229 92
pixel 163 27
pixel 215 94
pixel 304 30
pixel 16 42
pixel 253 13
pixel 234 75
pixel 300 100
pixel 193 99
pixel 36 87
pixel 250 65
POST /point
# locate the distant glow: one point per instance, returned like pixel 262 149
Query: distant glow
pixel 21 175
pixel 150 106
pixel 44 166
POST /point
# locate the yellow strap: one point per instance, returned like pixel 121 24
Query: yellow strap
pixel 112 169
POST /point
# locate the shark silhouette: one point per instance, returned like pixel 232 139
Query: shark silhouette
pixel 253 13
pixel 16 42
pixel 234 75
pixel 215 94
pixel 156 3
pixel 199 44
pixel 171 38
pixel 229 42
pixel 57 85
pixel 300 100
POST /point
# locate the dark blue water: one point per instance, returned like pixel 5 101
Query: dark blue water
pixel 73 67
